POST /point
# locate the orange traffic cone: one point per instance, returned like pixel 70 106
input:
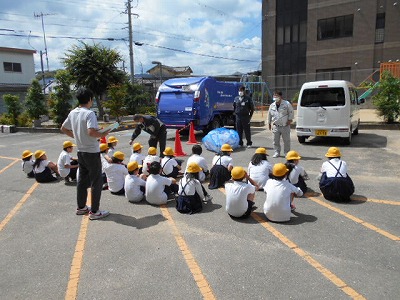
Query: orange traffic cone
pixel 192 137
pixel 103 140
pixel 178 145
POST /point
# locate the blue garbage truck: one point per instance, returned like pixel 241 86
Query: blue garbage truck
pixel 206 102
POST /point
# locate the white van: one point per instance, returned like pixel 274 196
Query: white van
pixel 328 109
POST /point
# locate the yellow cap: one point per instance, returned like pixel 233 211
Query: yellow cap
pixel 67 144
pixel 292 155
pixel 261 151
pixel 133 165
pixel 103 147
pixel 137 146
pixel 112 139
pixel 26 154
pixel 226 148
pixel 193 167
pixel 333 152
pixel 120 155
pixel 168 151
pixel 39 153
pixel 152 151
pixel 238 173
pixel 279 170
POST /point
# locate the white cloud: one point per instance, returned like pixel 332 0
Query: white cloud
pixel 230 31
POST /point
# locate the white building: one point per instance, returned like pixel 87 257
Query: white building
pixel 17 70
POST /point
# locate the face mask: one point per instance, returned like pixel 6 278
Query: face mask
pixel 241 94
pixel 275 98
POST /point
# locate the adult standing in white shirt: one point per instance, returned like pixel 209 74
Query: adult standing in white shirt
pixel 280 116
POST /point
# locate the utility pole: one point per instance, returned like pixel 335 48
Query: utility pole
pixel 41 15
pixel 131 40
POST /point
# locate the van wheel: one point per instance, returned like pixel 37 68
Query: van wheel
pixel 301 139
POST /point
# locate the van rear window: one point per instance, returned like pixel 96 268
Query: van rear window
pixel 323 97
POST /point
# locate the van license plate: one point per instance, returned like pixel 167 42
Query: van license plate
pixel 321 132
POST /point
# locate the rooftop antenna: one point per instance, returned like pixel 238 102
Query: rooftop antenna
pixel 41 15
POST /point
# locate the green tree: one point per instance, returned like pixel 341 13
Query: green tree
pixel 14 108
pixel 35 103
pixel 136 97
pixel 95 67
pixel 387 100
pixel 115 104
pixel 60 100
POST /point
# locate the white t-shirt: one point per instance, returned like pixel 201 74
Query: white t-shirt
pixel 132 188
pixel 110 152
pixel 260 173
pixel 64 159
pixel 27 166
pixel 191 187
pixel 43 164
pixel 116 176
pixel 277 203
pixel 138 157
pixel 295 173
pixel 331 171
pixel 147 161
pixel 201 161
pixel 224 160
pixel 79 121
pixel 155 189
pixel 104 163
pixel 167 165
pixel 236 197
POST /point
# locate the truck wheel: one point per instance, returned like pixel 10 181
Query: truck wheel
pixel 301 139
pixel 215 123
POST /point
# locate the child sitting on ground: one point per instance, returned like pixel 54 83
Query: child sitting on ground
pixel 134 184
pixel 280 194
pixel 190 194
pixel 221 167
pixel 27 163
pixel 67 166
pixel 259 168
pixel 335 183
pixel 137 153
pixel 158 188
pixel 104 164
pixel 112 143
pixel 297 174
pixel 152 156
pixel 239 194
pixel 43 168
pixel 170 166
pixel 200 160
pixel 116 172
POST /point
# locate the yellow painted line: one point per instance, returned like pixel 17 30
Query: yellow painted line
pixel 76 265
pixel 9 166
pixel 18 206
pixel 314 263
pixel 11 158
pixel 355 219
pixel 375 201
pixel 194 268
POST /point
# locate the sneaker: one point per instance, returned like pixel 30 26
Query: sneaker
pixel 275 155
pixel 98 215
pixel 207 198
pixel 82 211
pixel 249 146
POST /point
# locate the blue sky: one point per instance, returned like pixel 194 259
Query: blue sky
pixel 212 37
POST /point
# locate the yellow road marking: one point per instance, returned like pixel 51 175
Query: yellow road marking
pixel 194 268
pixel 18 206
pixel 355 219
pixel 375 201
pixel 314 263
pixel 9 166
pixel 76 265
pixel 12 158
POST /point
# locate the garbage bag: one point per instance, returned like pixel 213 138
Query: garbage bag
pixel 219 136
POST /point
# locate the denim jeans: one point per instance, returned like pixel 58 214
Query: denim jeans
pixel 89 176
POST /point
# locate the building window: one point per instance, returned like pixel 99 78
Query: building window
pixel 334 74
pixel 336 27
pixel 380 28
pixel 12 67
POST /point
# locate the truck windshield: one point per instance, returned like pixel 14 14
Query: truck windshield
pixel 323 97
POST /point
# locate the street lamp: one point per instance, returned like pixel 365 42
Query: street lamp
pixel 154 62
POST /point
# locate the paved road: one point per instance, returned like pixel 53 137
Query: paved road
pixel 327 250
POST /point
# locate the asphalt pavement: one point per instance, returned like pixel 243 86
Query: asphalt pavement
pixel 327 251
